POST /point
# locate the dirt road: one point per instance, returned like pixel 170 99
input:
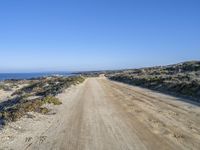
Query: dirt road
pixel 106 115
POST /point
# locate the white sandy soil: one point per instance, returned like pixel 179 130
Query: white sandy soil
pixel 105 115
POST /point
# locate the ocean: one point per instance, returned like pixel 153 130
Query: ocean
pixel 6 76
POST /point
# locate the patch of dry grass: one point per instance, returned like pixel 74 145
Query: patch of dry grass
pixel 47 89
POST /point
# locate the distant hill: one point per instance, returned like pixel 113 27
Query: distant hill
pixel 182 79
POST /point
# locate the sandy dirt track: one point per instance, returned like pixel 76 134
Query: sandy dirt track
pixel 105 115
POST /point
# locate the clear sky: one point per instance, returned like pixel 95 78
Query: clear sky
pixel 73 35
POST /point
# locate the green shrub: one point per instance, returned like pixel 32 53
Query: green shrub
pixel 46 88
pixel 51 100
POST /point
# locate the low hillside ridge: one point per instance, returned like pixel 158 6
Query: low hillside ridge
pixel 182 79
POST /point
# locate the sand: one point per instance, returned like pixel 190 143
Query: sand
pixel 102 115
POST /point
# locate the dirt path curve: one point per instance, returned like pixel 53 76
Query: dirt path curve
pixel 105 115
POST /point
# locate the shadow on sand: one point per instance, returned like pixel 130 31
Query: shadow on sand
pixel 178 97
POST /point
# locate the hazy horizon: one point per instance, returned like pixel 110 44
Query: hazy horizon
pixel 76 71
pixel 49 36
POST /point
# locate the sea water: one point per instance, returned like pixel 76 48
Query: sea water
pixel 6 76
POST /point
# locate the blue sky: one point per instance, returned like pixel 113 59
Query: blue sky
pixel 61 35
